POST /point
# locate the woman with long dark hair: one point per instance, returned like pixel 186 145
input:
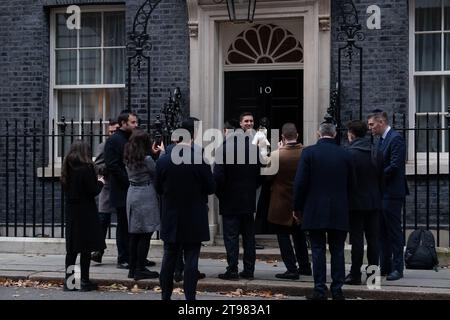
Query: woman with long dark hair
pixel 142 203
pixel 83 230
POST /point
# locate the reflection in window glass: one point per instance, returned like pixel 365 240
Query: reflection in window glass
pixel 114 67
pixel 428 15
pixel 90 66
pixel 114 29
pixel 66 67
pixel 91 30
pixel 65 37
pixel 92 104
pixel 428 52
pixel 428 94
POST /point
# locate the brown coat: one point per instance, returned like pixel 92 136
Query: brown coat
pixel 281 197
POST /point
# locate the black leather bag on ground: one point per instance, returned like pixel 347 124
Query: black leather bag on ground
pixel 421 251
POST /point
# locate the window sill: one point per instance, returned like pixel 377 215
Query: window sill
pixel 423 170
pixel 49 172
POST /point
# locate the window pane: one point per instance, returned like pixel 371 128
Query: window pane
pixel 114 103
pixel 447 93
pixel 71 134
pixel 91 30
pixel 447 14
pixel 66 67
pixel 91 135
pixel 428 138
pixel 428 15
pixel 90 66
pixel 65 38
pixel 114 32
pixel 447 51
pixel 428 52
pixel 428 94
pixel 68 105
pixel 92 104
pixel 114 66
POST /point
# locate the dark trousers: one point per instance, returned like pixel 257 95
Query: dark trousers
pixel 300 256
pixel 122 240
pixel 179 267
pixel 391 236
pixel 191 252
pixel 85 262
pixel 233 225
pixel 364 223
pixel 139 246
pixel 105 222
pixel 336 242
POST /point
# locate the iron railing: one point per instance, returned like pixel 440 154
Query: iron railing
pixel 31 153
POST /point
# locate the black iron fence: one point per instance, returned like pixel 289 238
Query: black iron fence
pixel 32 202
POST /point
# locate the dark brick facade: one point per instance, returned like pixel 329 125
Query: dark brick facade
pixel 385 61
pixel 24 90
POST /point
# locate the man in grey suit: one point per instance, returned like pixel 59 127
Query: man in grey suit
pixel 104 206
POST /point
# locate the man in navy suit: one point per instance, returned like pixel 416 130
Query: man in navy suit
pixel 184 186
pixel 392 145
pixel 321 192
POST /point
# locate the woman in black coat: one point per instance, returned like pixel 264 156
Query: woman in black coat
pixel 83 230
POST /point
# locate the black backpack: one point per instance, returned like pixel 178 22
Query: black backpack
pixel 421 251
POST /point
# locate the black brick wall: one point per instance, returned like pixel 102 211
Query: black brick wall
pixel 24 88
pixel 385 61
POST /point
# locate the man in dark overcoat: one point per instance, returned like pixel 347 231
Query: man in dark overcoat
pixel 321 191
pixel 184 185
pixel 237 176
pixel 119 183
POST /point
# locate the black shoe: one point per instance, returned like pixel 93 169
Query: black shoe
pixel 178 276
pixel 305 272
pixel 259 246
pixel 229 275
pixel 288 275
pixel 149 263
pixel 88 286
pixel 352 280
pixel 131 274
pixel 200 275
pixel 97 256
pixel 145 274
pixel 316 296
pixel 394 275
pixel 246 275
pixel 338 296
pixel 123 265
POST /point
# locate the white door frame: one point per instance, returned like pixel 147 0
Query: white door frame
pixel 206 62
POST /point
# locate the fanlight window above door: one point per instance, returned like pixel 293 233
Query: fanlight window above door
pixel 262 44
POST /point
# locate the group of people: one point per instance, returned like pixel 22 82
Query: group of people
pixel 322 191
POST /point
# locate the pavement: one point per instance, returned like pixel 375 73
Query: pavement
pixel 416 284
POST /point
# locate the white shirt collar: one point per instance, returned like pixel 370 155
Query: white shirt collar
pixel 386 132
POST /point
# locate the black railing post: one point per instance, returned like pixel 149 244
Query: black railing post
pixel 16 151
pixel 53 177
pixel 448 176
pixel 34 177
pixel 63 140
pixel 438 187
pixel 43 179
pixel 428 169
pixel 25 134
pixel 416 145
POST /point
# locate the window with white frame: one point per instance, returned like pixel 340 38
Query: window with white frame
pixel 431 33
pixel 87 69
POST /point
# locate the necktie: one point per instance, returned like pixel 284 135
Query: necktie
pixel 380 143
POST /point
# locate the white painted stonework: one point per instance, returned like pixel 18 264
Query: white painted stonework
pixel 210 35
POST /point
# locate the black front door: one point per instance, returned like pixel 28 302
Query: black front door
pixel 277 95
